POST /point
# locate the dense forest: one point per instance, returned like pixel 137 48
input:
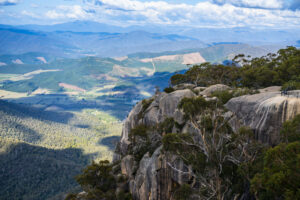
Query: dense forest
pixel 44 172
pixel 41 151
pixel 274 69
pixel 226 164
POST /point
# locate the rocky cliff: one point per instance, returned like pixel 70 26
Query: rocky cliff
pixel 155 174
pixel 264 113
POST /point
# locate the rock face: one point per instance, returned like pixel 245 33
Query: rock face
pixel 155 174
pixel 163 106
pixel 264 113
pixel 219 87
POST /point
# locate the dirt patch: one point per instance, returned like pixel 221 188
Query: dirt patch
pixel 71 87
pixel 121 58
pixel 31 74
pixel 42 59
pixel 193 58
pixel 161 58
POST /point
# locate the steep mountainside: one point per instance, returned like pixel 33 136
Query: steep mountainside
pixel 202 139
pixel 265 113
pixel 154 173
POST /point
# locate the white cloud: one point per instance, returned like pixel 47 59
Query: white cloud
pixel 30 14
pixel 267 4
pixel 9 2
pixel 203 14
pixel 71 12
pixel 33 5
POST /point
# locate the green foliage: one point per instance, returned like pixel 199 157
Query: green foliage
pixel 71 196
pixel 32 172
pixel 292 85
pixel 271 69
pixel 124 196
pixel 52 153
pixel 99 182
pixel 291 130
pixel 183 192
pixel 170 142
pixel 141 138
pixel 275 173
pixel 169 90
pixel 97 176
pixel 178 79
pixel 145 105
pixel 194 106
pixel 140 130
pixel 184 146
pixel 280 177
pixel 281 69
pixel 208 74
pixel 223 96
pixel 166 126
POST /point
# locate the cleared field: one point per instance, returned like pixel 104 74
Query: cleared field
pixel 4 77
pixel 11 95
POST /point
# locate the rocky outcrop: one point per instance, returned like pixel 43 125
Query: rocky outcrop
pixel 163 106
pixel 156 173
pixel 264 113
pixel 156 176
pixel 211 89
pixel 184 86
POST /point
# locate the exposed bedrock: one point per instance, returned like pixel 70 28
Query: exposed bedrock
pixel 264 113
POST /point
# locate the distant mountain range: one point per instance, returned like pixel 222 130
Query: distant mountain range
pixel 85 38
pixel 209 35
pixel 72 44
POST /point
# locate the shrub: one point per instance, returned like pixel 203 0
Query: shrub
pixel 279 178
pixel 170 142
pixel 169 90
pixel 184 192
pixel 178 79
pixel 183 146
pixel 290 131
pixel 99 182
pixel 273 69
pixel 291 85
pixel 71 197
pixel 140 130
pixel 124 196
pixel 166 126
pixel 223 96
pixel 98 176
pixel 194 106
pixel 145 105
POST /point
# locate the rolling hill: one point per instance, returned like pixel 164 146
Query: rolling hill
pixel 72 44
pixel 58 114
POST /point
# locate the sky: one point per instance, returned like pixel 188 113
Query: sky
pixel 194 13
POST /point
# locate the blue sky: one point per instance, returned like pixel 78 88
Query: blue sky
pixel 194 13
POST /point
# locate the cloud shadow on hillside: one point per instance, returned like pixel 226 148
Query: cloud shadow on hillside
pixel 32 172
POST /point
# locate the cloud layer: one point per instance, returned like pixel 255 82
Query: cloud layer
pixel 266 4
pixel 208 13
pixel 8 2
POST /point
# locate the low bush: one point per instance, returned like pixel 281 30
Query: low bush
pixel 183 192
pixel 194 106
pixel 145 105
pixel 166 126
pixel 169 90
